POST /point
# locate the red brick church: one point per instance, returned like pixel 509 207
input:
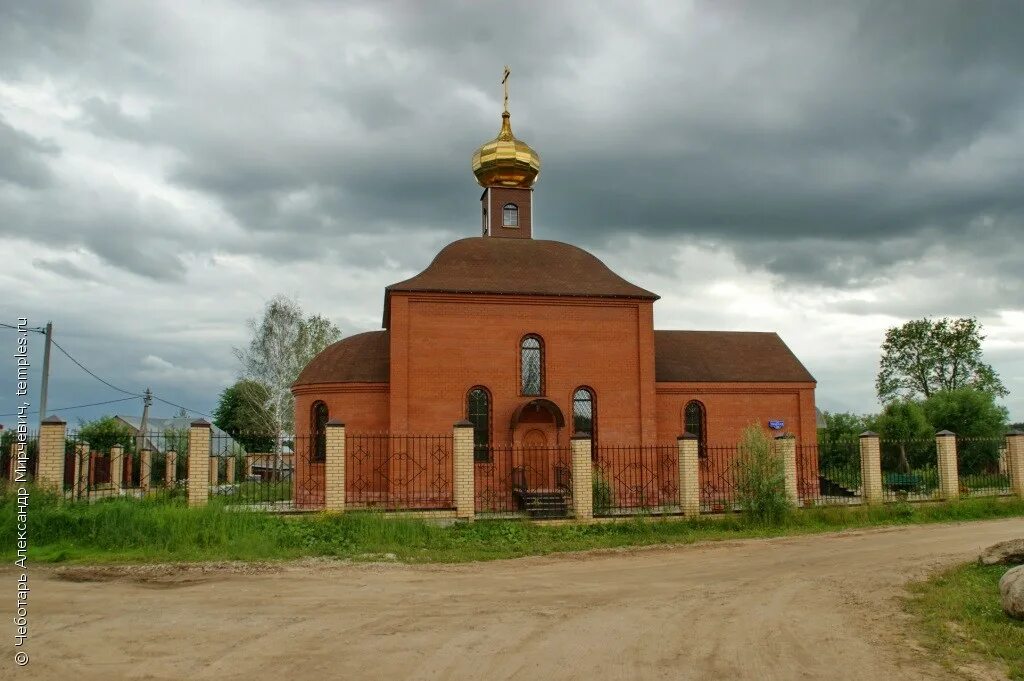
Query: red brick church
pixel 533 340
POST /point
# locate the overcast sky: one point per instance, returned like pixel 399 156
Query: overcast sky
pixel 824 170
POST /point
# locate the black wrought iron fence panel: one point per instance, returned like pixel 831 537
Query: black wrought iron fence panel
pixel 982 466
pixel 531 480
pixel 718 481
pixel 99 465
pixel 263 471
pixel 628 479
pixel 18 448
pixel 829 473
pixel 399 472
pixel 909 470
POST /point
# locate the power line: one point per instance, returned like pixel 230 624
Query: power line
pixel 37 329
pixel 110 385
pixel 193 411
pixel 82 367
pixel 77 406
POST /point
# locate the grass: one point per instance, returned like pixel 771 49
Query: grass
pixel 129 530
pixel 960 615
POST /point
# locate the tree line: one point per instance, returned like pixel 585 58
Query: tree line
pixel 932 377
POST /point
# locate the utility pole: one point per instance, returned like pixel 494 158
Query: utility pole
pixel 46 372
pixel 147 399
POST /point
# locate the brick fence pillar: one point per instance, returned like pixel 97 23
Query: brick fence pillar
pixel 214 470
pixel 170 468
pixel 1015 461
pixel 334 467
pixel 689 474
pixel 229 474
pixel 582 476
pixel 116 466
pixel 81 476
pixel 949 480
pixel 870 468
pixel 50 465
pixel 785 448
pixel 145 469
pixel 199 463
pixel 462 467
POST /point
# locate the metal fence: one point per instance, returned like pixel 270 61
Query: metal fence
pixel 982 466
pixel 9 450
pixel 829 473
pixel 529 481
pixel 631 479
pixel 718 479
pixel 260 471
pixel 399 472
pixel 117 464
pixel 910 470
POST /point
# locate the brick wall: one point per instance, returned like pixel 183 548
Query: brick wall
pixel 443 345
pixel 731 407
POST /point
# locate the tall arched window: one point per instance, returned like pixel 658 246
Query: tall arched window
pixel 695 421
pixel 584 415
pixel 531 366
pixel 510 215
pixel 583 420
pixel 318 430
pixel 478 412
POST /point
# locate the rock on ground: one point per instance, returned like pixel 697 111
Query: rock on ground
pixel 1011 588
pixel 1004 553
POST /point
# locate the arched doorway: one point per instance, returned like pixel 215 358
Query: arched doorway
pixel 536 429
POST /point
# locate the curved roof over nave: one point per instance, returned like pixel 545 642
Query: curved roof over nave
pixel 520 267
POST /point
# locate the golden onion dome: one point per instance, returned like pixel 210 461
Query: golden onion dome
pixel 506 161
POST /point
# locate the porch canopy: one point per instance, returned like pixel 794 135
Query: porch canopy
pixel 538 404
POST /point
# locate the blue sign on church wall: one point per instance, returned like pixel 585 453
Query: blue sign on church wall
pixel 776 425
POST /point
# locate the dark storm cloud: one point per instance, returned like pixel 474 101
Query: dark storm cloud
pixel 24 160
pixel 825 143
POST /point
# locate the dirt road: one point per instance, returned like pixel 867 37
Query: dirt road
pixel 819 607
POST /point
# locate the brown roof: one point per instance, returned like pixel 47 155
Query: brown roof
pixel 518 266
pixel 728 356
pixel 362 358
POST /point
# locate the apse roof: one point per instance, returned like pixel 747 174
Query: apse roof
pixel 362 358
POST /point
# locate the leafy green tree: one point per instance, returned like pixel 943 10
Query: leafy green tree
pixel 925 356
pixel 906 435
pixel 838 445
pixel 103 433
pixel 283 342
pixel 244 414
pixel 841 426
pixel 1017 426
pixel 977 420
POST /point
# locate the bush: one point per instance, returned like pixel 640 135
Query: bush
pixel 761 480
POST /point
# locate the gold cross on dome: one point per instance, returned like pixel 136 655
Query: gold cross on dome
pixel 504 81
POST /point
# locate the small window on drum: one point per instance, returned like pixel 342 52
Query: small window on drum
pixel 510 215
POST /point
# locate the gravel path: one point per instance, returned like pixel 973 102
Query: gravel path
pixel 813 607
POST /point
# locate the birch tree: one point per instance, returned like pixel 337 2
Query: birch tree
pixel 283 341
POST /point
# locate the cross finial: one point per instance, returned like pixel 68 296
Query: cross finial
pixel 504 81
